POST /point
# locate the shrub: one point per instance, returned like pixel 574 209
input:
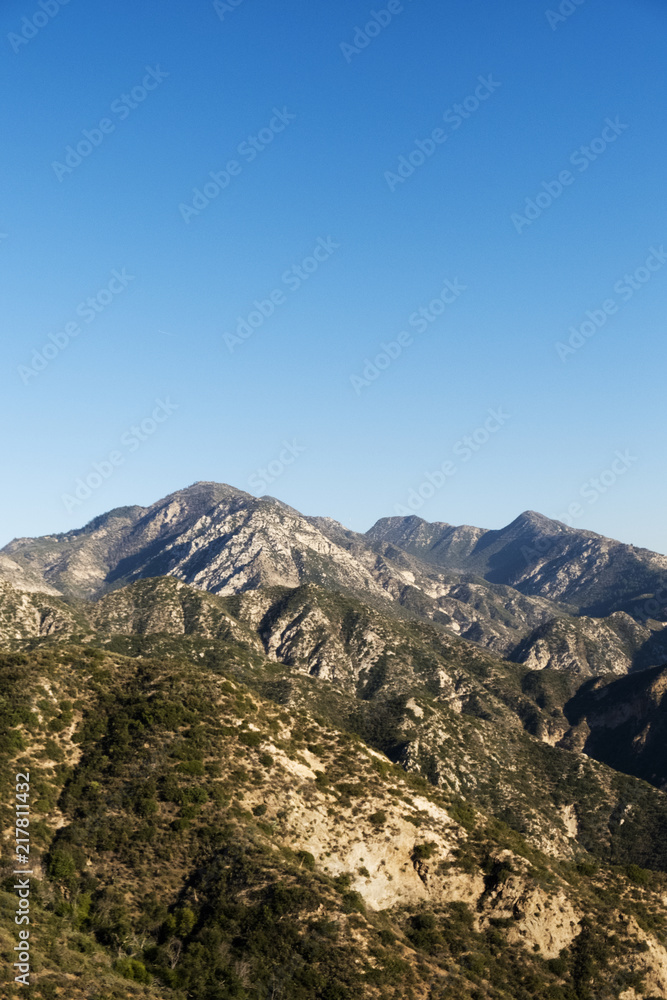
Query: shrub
pixel 422 852
pixel 475 963
pixel 195 767
pixel 146 807
pixel 198 794
pixel 185 921
pixel 462 813
pixel 130 968
pixel 638 875
pixel 250 738
pixel 61 866
pixel 348 790
pixel 423 933
pixel 306 859
pixel 353 903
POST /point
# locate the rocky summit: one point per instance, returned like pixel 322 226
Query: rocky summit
pixel 272 757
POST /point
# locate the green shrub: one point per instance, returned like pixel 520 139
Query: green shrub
pixel 353 903
pixel 84 944
pixel 130 968
pixel 195 767
pixel 348 790
pixel 250 738
pixel 422 852
pixel 640 876
pixel 462 813
pixel 558 965
pixel 185 921
pixel 475 963
pixel 197 795
pixel 61 866
pixel 146 807
pixel 424 933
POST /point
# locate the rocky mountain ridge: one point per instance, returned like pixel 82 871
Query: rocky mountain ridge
pixel 541 557
pixel 476 583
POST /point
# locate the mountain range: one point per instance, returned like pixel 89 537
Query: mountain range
pixel 535 591
pixel 276 757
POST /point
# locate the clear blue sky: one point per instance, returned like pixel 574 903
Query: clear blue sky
pixel 345 118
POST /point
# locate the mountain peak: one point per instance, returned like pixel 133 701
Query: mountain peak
pixel 533 519
pixel 208 488
pixel 397 521
pixel 200 497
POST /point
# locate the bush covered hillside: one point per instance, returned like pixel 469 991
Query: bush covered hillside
pixel 211 824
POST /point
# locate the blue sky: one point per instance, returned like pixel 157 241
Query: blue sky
pixel 306 120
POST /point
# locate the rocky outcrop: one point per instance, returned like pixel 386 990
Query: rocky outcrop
pixel 589 646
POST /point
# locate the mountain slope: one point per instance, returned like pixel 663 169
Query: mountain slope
pixel 538 556
pixel 85 562
pixel 222 540
pixel 23 577
pixel 403 671
pixel 326 788
pixel 199 840
pixel 585 646
pixel 623 722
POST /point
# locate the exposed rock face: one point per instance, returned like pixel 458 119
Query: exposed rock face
pixel 347 844
pixel 75 563
pixel 27 615
pixel 539 921
pixel 211 536
pixel 588 646
pixel 23 577
pixel 651 959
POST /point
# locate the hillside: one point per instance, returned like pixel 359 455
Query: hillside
pixel 197 839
